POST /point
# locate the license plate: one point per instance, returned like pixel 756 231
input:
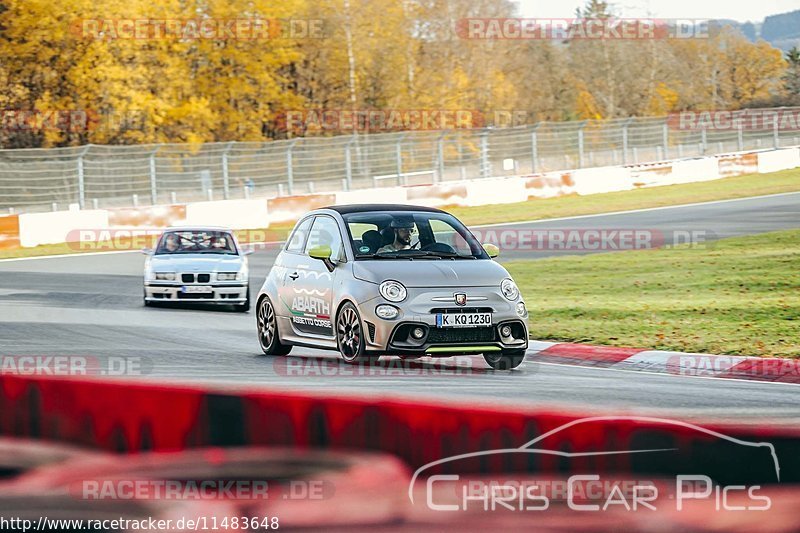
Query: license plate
pixel 197 289
pixel 463 320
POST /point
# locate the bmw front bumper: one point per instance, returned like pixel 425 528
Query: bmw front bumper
pixel 221 293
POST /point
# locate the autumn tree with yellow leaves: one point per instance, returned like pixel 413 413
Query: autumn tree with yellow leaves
pixel 364 54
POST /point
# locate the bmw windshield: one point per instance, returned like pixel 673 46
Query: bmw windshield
pixel 196 242
pixel 411 235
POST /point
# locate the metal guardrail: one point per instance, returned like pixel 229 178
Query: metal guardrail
pixel 115 176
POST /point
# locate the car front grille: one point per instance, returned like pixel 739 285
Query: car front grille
pixel 195 278
pixel 454 310
pixel 448 335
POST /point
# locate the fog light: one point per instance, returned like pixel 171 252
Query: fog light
pixel 505 331
pixel 418 333
pixel 387 312
pixel 521 311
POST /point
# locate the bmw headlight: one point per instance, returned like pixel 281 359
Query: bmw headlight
pixel 164 276
pixel 509 289
pixel 228 276
pixel 393 291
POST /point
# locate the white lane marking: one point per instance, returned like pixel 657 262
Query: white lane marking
pixel 612 369
pixel 642 210
pixel 59 256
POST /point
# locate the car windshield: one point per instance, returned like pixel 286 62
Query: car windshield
pixel 196 242
pixel 410 235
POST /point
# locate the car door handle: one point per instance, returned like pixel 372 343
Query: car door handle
pixel 294 276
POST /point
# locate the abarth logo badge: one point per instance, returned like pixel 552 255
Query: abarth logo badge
pixel 461 298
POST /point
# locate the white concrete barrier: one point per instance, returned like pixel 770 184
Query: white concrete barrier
pixel 602 179
pixel 691 170
pixel 496 191
pixel 775 160
pixel 383 195
pixel 53 228
pixel 234 214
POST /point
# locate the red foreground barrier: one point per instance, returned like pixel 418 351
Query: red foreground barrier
pixel 125 416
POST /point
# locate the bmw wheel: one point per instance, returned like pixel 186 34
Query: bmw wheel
pixel 267 324
pixel 350 335
pixel 504 360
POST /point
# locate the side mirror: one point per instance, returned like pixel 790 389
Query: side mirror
pixel 323 253
pixel 492 250
pixel 147 251
pixel 247 251
pixel 320 252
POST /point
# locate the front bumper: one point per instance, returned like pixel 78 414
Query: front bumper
pixel 221 293
pixel 419 311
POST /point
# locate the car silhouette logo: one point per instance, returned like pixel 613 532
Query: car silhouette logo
pixel 461 298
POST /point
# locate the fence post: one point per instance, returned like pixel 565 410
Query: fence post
pixel 81 178
pixel 665 134
pixel 348 165
pixel 399 158
pixel 775 135
pixel 580 143
pixel 703 140
pixel 625 141
pixel 439 175
pixel 740 136
pixel 484 165
pixel 535 147
pixel 226 178
pixel 153 189
pixel 289 167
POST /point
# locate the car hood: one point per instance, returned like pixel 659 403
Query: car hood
pixel 196 263
pixel 432 273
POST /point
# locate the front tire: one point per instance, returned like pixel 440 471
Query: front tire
pixel 350 336
pixel 267 325
pixel 504 360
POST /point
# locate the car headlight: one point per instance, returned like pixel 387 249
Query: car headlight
pixel 521 311
pixel 228 276
pixel 387 312
pixel 509 289
pixel 394 291
pixel 164 276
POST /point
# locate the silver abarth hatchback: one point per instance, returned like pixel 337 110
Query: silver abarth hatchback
pixel 371 280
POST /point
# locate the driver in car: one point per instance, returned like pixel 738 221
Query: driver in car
pixel 403 229
pixel 172 243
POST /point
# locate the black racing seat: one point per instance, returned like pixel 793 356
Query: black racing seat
pixel 373 239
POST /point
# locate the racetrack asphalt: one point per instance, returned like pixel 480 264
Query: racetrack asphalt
pixel 91 306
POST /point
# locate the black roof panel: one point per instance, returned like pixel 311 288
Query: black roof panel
pixel 366 208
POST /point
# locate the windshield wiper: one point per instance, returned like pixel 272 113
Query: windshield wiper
pixel 403 254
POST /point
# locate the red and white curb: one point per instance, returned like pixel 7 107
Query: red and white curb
pixel 776 370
